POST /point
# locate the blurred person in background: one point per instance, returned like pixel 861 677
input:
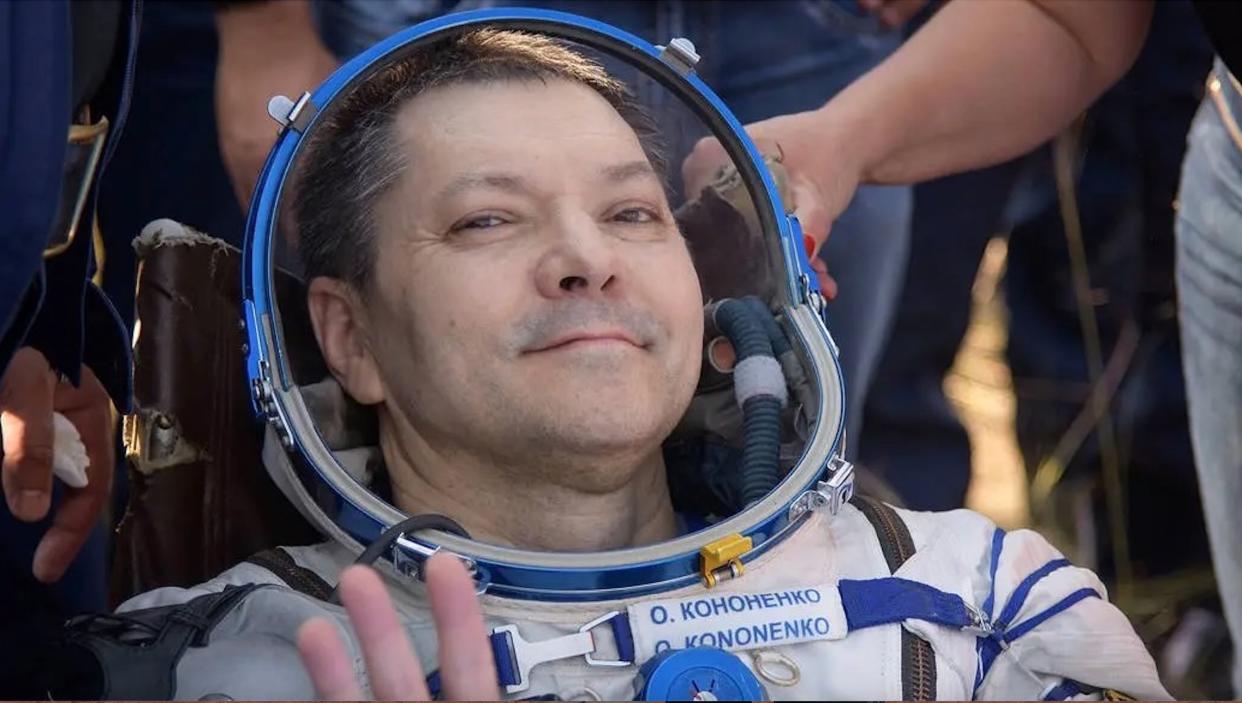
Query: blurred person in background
pixel 64 361
pixel 912 437
pixel 1126 171
pixel 67 270
pixel 950 100
pixel 200 68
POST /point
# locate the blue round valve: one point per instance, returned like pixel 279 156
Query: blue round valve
pixel 698 674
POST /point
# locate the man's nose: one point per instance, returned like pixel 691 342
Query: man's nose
pixel 580 259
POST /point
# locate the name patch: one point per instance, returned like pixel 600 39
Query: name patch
pixel 738 621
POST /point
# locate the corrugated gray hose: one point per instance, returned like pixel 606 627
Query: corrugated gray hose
pixel 759 386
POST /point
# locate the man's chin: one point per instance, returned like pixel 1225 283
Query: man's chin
pixel 602 425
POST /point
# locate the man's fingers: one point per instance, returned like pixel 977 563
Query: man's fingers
pixel 26 425
pixel 328 661
pixel 467 669
pixel 391 663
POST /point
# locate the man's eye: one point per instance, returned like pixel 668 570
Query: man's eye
pixel 636 215
pixel 481 222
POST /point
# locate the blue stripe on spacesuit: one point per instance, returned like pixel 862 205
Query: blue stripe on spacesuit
pixel 1066 690
pixel 991 645
pixel 1037 620
pixel 998 543
pixel 889 600
pixel 624 636
pixel 506 659
pixel 1018 597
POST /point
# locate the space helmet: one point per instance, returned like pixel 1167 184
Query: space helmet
pixel 762 443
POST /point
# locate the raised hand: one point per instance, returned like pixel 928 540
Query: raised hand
pixel 467 670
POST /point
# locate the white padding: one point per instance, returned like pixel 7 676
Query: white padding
pixel 759 375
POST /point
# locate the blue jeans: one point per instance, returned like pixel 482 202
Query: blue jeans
pixel 763 59
pixel 1209 283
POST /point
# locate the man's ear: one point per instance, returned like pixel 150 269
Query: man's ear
pixel 341 331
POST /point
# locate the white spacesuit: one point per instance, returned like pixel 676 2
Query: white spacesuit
pixel 781 584
pixel 818 617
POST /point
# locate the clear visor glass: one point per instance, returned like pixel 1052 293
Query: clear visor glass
pixel 442 209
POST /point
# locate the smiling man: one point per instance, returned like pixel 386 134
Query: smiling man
pixel 494 268
pixel 523 261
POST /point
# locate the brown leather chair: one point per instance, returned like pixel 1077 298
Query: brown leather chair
pixel 200 499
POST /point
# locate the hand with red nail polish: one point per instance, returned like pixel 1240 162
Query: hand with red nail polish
pixel 822 175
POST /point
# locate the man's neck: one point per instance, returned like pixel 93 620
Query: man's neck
pixel 526 508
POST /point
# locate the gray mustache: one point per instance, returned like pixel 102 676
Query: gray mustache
pixel 539 328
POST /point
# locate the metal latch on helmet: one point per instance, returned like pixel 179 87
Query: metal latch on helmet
pixel 265 401
pixel 818 304
pixel 722 559
pixel 290 114
pixel 526 655
pixel 830 494
pixel 409 555
pixel 810 296
pixel 680 54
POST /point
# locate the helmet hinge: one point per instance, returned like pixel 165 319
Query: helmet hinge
pixel 265 401
pixel 830 494
pixel 292 115
pixel 722 559
pixel 680 54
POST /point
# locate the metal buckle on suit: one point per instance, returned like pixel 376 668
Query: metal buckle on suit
pixel 81 162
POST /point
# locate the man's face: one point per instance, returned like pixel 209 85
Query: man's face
pixel 533 296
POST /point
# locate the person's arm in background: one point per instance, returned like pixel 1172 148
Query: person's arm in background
pixel 981 82
pixel 985 81
pixel 267 47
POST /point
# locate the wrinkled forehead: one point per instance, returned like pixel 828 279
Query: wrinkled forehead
pixel 547 113
pixel 531 130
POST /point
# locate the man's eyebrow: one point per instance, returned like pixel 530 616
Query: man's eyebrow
pixel 628 170
pixel 514 183
pixel 494 181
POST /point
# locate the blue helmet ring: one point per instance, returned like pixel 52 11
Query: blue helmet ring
pixel 340 506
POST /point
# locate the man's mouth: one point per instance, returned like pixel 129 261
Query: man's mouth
pixel 588 338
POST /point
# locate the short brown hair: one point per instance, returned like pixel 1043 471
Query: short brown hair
pixel 350 162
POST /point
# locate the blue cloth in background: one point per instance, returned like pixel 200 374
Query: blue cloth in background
pixel 35 86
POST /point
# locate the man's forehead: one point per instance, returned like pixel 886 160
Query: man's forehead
pixel 508 117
